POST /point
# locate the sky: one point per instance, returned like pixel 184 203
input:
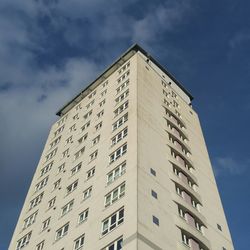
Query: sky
pixel 52 49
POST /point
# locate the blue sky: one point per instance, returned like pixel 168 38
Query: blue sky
pixel 51 49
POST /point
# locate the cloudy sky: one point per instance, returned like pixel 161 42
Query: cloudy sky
pixel 51 49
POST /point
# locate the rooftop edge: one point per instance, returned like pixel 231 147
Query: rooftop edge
pixel 134 48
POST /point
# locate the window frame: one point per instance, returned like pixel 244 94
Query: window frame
pixel 112 221
pixel 62 231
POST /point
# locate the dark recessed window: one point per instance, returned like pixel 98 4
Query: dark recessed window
pixel 154 194
pixel 219 227
pixel 156 220
pixel 152 171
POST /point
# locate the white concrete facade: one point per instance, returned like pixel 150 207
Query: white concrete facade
pixel 127 166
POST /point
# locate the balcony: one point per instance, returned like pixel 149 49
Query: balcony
pixel 181 157
pixel 174 118
pixel 173 128
pixel 179 201
pixel 190 194
pixel 185 186
pixel 175 136
pixel 184 169
pixel 193 234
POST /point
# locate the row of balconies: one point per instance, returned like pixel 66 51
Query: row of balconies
pixel 190 221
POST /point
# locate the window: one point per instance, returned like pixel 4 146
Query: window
pixel 183 162
pixel 112 221
pixel 116 173
pixel 152 171
pixel 83 138
pixel 60 122
pixel 190 219
pixel 79 153
pixel 72 128
pixel 45 224
pixel 164 84
pixel 181 212
pixel 72 187
pixel 83 216
pixel 46 169
pixel 62 231
pixel 120 121
pixel 187 197
pixel 90 104
pixel 156 220
pixel 87 193
pixel 90 173
pixel 119 136
pixel 122 96
pixel 123 68
pixel 51 154
pixel 183 177
pixel 61 168
pixel 65 153
pixel 176 105
pixel 85 126
pixel 51 202
pixel 92 94
pixel 100 114
pixel 36 201
pixel 79 106
pixel 104 92
pixel 69 140
pixel 58 131
pixel 167 102
pixel 219 227
pixel 42 184
pixel 115 195
pixel 154 194
pixel 174 94
pixel 176 131
pixel 185 239
pixel 105 84
pixel 87 115
pixel 121 108
pixel 55 142
pixel 178 114
pixel 174 118
pixel 115 245
pixel 167 94
pixel 40 245
pixel 76 117
pixel 198 226
pixel 79 242
pixel 30 220
pixel 24 241
pixel 102 103
pixel 122 87
pixel 56 184
pixel 67 207
pixel 98 126
pixel 76 169
pixel 118 153
pixel 95 140
pixel 125 75
pixel 93 155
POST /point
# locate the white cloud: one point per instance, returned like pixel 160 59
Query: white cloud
pixel 228 165
pixel 25 119
pixel 165 17
pixel 239 39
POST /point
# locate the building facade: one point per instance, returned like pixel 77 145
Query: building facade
pixel 125 167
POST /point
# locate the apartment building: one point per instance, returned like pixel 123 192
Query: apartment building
pixel 125 167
